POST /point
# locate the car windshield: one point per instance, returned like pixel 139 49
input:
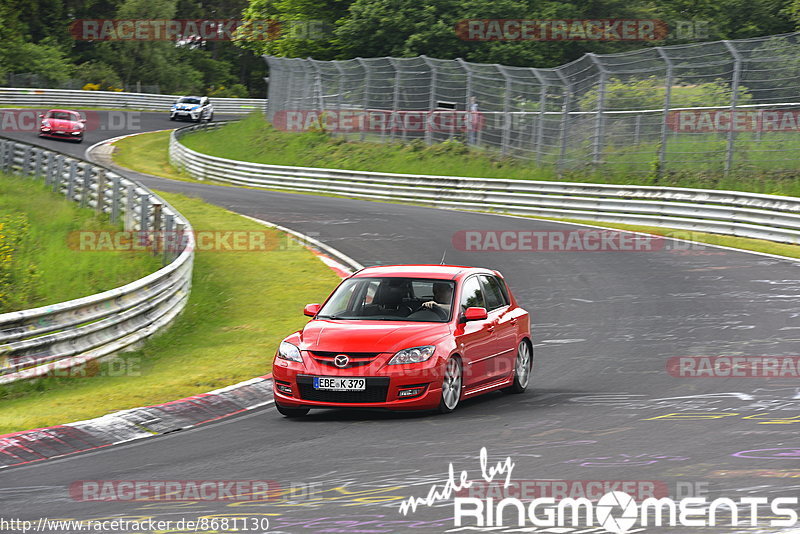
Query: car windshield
pixel 62 116
pixel 189 100
pixel 391 299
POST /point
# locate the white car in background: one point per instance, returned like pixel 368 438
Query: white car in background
pixel 194 108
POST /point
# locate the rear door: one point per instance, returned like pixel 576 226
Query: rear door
pixel 504 337
pixel 474 338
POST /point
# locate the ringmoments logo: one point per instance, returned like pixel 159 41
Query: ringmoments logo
pixel 615 511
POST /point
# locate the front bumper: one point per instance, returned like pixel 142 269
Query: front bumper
pixel 293 386
pixel 61 134
pixel 186 115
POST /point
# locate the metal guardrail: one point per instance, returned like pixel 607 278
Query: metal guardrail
pixel 769 217
pixel 67 98
pixel 38 341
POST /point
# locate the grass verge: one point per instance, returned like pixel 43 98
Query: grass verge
pixel 40 260
pixel 696 161
pixel 158 156
pixel 148 153
pixel 241 305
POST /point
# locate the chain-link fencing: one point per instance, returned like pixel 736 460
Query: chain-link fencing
pixel 709 108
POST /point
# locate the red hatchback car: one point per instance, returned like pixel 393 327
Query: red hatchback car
pixel 62 124
pixel 406 337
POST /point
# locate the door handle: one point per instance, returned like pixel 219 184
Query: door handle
pixel 514 321
pixel 490 328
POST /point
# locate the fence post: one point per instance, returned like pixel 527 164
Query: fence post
pixel 365 96
pixel 540 122
pixel 395 96
pixel 473 136
pixel 737 74
pixel 564 120
pixel 431 99
pixel 662 146
pixel 598 142
pixel 37 162
pixel 339 87
pixel 504 148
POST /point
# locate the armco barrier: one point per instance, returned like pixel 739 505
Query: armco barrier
pixel 67 98
pixel 770 217
pixel 37 341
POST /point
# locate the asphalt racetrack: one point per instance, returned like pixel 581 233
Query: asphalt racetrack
pixel 603 406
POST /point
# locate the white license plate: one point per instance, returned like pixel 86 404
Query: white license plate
pixel 340 384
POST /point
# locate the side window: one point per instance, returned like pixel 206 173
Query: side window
pixel 471 295
pixel 495 297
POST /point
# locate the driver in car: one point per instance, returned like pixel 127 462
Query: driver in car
pixel 442 297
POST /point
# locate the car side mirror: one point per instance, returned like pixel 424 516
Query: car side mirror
pixel 475 314
pixel 311 310
pixel 41 115
pixel 83 121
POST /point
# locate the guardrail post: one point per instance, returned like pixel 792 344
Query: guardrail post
pixel 58 173
pixel 86 185
pixel 157 239
pixel 662 146
pixel 3 155
pixel 130 207
pixel 737 74
pixel 101 191
pixel 26 156
pixel 72 178
pixel 37 163
pixel 115 198
pixel 170 243
pixel 144 212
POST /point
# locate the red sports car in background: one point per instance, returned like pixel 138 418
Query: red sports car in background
pixel 62 124
pixel 406 337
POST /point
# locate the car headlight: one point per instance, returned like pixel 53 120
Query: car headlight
pixel 287 351
pixel 413 355
pixel 46 124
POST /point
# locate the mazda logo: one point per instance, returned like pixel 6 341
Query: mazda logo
pixel 341 360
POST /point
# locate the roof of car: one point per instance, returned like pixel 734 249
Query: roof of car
pixel 445 272
pixel 63 111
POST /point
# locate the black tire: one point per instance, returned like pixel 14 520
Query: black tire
pixel 452 383
pixel 291 412
pixel 523 368
pixel 171 118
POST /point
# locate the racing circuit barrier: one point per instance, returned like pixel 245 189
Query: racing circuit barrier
pixel 65 98
pixel 44 340
pixel 759 216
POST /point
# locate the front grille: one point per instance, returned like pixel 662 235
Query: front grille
pixel 357 359
pixel 376 391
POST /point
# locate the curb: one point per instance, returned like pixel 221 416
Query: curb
pixel 29 446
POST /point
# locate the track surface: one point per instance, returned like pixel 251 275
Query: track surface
pixel 605 324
